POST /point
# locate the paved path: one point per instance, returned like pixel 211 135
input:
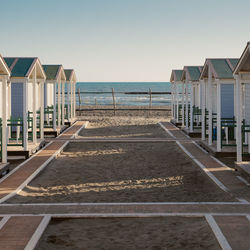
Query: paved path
pixel 22 224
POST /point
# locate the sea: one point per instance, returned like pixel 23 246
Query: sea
pixel 125 93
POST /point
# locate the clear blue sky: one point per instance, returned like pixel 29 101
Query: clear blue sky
pixel 124 40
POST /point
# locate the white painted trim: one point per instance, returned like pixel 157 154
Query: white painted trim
pixel 4 220
pixel 32 176
pixel 216 181
pixel 163 127
pixel 20 165
pixel 38 233
pixel 218 233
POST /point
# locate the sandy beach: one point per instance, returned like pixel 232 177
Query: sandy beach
pixel 128 233
pixel 122 172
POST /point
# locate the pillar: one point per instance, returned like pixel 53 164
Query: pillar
pixel 210 111
pixel 59 102
pixel 68 101
pixel 186 99
pixel 203 110
pixel 182 100
pixel 63 102
pixel 238 118
pixel 25 114
pixel 34 108
pixel 218 116
pixel 42 110
pixel 4 119
pixel 191 107
pixel 54 107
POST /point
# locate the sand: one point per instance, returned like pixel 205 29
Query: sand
pixel 121 172
pixel 128 233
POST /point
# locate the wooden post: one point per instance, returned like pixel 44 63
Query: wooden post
pixel 113 95
pixel 150 100
pixel 79 98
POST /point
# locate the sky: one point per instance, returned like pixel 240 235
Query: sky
pixel 124 40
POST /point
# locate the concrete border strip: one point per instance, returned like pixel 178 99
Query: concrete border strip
pixel 218 233
pixel 86 215
pixel 32 176
pixel 248 217
pixel 4 220
pixel 124 204
pixel 79 130
pixel 38 233
pixel 216 181
pixel 221 163
pixel 24 162
pixel 243 180
pixel 164 128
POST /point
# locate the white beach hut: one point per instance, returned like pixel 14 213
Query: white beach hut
pixel 71 96
pixel 218 109
pixel 54 99
pixel 4 108
pixel 191 76
pixel 242 98
pixel 177 101
pixel 27 81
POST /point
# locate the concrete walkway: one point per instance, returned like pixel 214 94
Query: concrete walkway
pixel 21 225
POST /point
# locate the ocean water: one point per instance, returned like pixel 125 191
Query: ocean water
pixel 101 93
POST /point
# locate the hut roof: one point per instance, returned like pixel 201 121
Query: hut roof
pixel 70 75
pixel 222 68
pixel 4 69
pixel 243 64
pixel 52 71
pixel 176 75
pixel 192 73
pixel 20 66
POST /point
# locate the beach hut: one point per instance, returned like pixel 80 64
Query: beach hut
pixel 177 103
pixel 71 97
pixel 191 78
pixel 26 123
pixel 218 109
pixel 4 108
pixel 242 98
pixel 54 99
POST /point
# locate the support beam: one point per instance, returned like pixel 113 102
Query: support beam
pixel 177 101
pixel 59 104
pixel 186 99
pixel 4 119
pixel 42 110
pixel 218 116
pixel 239 118
pixel 25 114
pixel 74 94
pixel 68 101
pixel 210 109
pixel 54 107
pixel 71 100
pixel 182 100
pixel 203 110
pixel 63 102
pixel 34 106
pixel 191 107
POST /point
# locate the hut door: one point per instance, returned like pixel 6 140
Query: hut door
pixel 17 100
pixel 247 103
pixel 227 100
